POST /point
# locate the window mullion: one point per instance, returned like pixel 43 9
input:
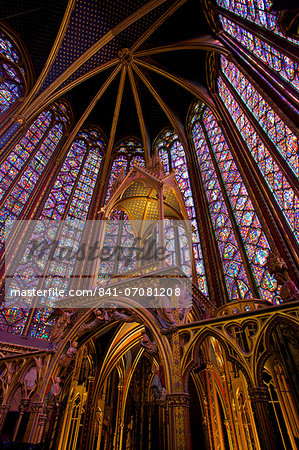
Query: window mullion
pixel 278 158
pixel 276 41
pixel 284 88
pixel 236 230
pixel 270 94
pixel 76 183
pixel 26 164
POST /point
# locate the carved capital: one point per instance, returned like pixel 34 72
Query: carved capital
pixel 210 367
pixel 4 409
pixel 24 405
pixel 223 377
pixel 37 407
pixel 258 394
pixel 180 399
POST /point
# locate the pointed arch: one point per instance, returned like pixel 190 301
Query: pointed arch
pixel 173 157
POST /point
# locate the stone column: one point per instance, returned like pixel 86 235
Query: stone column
pixel 229 423
pixel 86 434
pixel 207 422
pixel 179 423
pixel 259 402
pixel 37 420
pixel 179 434
pixel 3 412
pixel 53 415
pixel 24 404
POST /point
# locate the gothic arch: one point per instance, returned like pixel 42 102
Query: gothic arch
pixel 266 332
pixel 194 350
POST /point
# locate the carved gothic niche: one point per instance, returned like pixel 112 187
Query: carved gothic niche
pixel 29 381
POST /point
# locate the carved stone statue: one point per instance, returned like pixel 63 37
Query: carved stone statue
pixel 55 391
pixel 289 291
pixel 275 263
pixel 149 346
pixel 63 321
pixel 70 354
pixel 158 389
pixel 122 315
pixel 166 319
pixel 278 268
pixel 101 316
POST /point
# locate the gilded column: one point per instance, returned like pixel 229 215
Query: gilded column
pixel 229 424
pixel 24 404
pixel 38 419
pixel 87 422
pixel 259 402
pixel 178 402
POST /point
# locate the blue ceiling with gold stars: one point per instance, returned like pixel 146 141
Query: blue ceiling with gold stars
pixel 38 23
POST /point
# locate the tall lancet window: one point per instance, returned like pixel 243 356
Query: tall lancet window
pixel 278 132
pixel 257 11
pixel 173 157
pixel 243 246
pixel 12 73
pixel 126 153
pixel 71 194
pixel 24 165
pixel 69 199
pixel 255 26
pixel 267 158
pixel 275 59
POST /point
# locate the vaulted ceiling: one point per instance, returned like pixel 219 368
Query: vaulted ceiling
pixel 132 67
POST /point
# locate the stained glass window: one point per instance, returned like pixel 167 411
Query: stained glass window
pixel 256 11
pixel 69 199
pixel 273 58
pixel 22 168
pixel 80 165
pixel 253 237
pixel 281 136
pixel 11 73
pixel 127 152
pixel 120 163
pixel 13 319
pixel 277 182
pixel 173 156
pixel 20 173
pixel 23 187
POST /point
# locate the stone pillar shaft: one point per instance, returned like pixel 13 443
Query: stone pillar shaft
pixel 179 422
pixel 3 412
pixel 259 402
